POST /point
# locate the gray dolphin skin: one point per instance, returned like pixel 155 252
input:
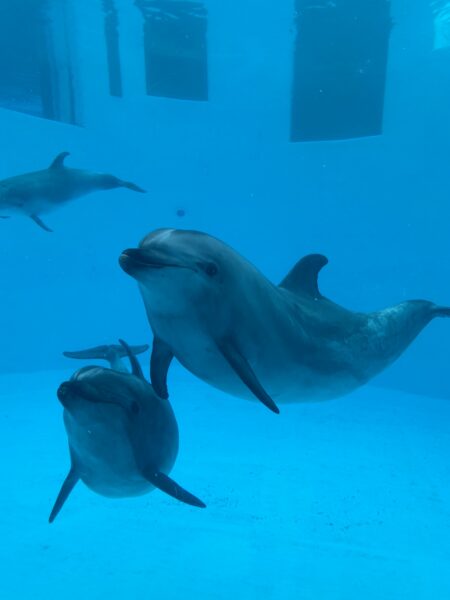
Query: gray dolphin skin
pixel 225 322
pixel 40 192
pixel 112 353
pixel 123 438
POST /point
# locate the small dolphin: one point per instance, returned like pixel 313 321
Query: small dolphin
pixel 40 192
pixel 112 353
pixel 123 439
pixel 229 325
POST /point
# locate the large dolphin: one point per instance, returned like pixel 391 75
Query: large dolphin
pixel 229 325
pixel 39 192
pixel 123 438
pixel 112 353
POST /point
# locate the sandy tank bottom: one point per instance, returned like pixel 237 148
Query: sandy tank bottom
pixel 343 500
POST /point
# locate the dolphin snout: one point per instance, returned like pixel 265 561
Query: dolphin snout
pixel 63 392
pixel 135 259
pixel 67 391
pixel 75 389
pixel 130 259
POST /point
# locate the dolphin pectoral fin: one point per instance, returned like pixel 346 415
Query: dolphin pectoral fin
pixel 170 487
pixel 302 278
pixel 69 483
pixel 58 162
pixel 41 223
pixel 160 361
pixel 243 370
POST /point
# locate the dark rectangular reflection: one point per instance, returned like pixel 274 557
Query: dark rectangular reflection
pixel 176 60
pixel 340 61
pixel 35 75
pixel 112 47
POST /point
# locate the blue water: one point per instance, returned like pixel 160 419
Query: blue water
pixel 338 500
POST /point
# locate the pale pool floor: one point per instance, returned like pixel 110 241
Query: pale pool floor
pixel 336 501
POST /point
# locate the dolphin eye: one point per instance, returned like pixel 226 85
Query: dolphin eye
pixel 211 270
pixel 135 408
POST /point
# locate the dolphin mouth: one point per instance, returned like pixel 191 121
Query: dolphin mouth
pixel 69 389
pixel 133 259
pixel 72 388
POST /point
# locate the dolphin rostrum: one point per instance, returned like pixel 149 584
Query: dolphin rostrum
pixel 39 192
pixel 225 322
pixel 123 438
pixel 112 353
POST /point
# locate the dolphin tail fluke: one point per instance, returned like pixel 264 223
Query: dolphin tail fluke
pixel 170 487
pixel 441 311
pixel 69 483
pixel 111 353
pixel 111 182
pixel 105 350
pixel 132 186
pixel 96 352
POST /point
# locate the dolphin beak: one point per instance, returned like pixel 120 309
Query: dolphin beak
pixel 74 389
pixel 69 389
pixel 133 259
pixel 137 259
pixel 64 392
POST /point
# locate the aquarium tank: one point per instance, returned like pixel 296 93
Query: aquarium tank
pixel 225 283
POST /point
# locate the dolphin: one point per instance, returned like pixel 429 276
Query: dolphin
pixel 123 438
pixel 112 353
pixel 39 192
pixel 228 324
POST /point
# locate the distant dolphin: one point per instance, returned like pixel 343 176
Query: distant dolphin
pixel 230 326
pixel 112 353
pixel 123 438
pixel 40 192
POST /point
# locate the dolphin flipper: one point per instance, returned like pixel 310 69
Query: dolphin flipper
pixel 160 361
pixel 170 487
pixel 41 223
pixel 243 370
pixel 69 483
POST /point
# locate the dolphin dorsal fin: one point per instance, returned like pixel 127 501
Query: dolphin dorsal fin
pixel 58 162
pixel 302 278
